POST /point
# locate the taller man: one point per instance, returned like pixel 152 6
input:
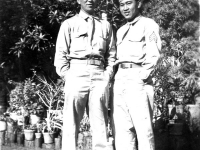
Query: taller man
pixel 138 45
pixel 85 55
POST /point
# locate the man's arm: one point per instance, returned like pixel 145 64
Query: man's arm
pixel 153 47
pixel 62 49
pixel 110 55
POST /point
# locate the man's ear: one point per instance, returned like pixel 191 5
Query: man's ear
pixel 140 2
pixel 78 1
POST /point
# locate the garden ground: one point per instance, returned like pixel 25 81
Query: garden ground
pixel 163 141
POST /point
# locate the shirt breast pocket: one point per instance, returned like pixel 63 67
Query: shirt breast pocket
pixel 78 41
pixel 137 45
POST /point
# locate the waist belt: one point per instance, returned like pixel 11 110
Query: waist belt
pixel 87 61
pixel 129 65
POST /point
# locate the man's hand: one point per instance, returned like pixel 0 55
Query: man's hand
pixel 106 76
pixel 120 61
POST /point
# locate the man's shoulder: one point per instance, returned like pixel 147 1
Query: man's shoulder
pixel 149 22
pixel 71 19
pixel 121 29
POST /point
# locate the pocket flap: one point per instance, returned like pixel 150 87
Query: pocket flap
pixel 81 32
pixel 135 38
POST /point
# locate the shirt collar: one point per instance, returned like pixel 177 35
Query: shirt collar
pixel 84 15
pixel 134 20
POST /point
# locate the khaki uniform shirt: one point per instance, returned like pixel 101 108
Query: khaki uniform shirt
pixel 72 42
pixel 139 42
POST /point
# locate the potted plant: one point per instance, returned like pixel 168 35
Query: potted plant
pixel 23 99
pixel 29 132
pixel 38 133
pixel 177 77
pixel 48 132
pixel 52 96
pixel 190 69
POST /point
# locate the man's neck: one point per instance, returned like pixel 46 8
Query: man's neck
pixel 138 14
pixel 90 14
pixel 134 20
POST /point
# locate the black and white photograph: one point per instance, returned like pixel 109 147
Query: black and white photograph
pixel 99 75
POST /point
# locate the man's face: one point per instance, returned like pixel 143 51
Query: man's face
pixel 129 8
pixel 88 5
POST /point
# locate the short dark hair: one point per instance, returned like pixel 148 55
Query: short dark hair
pixel 144 2
pixel 117 1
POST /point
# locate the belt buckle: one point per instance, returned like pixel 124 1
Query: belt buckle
pixel 91 61
pixel 94 61
pixel 88 61
pixel 126 66
pixel 123 66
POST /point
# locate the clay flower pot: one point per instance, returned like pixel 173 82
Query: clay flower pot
pixel 3 125
pixel 29 135
pixel 48 137
pixel 38 135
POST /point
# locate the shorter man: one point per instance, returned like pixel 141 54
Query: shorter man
pixel 138 45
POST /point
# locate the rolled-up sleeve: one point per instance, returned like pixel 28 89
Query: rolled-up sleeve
pixel 110 55
pixel 152 49
pixel 62 49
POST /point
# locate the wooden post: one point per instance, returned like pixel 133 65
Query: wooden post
pixel 6 138
pixel 58 143
pixel 48 146
pixel 12 137
pixel 20 139
pixel 2 138
pixel 38 142
pixel 29 143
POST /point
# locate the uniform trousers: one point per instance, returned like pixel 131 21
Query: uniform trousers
pixel 85 86
pixel 150 94
pixel 131 112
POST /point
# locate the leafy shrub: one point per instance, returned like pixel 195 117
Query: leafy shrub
pixel 24 98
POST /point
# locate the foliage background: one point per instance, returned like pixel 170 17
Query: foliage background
pixel 29 30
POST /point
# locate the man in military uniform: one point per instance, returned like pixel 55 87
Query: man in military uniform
pixel 85 55
pixel 138 46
